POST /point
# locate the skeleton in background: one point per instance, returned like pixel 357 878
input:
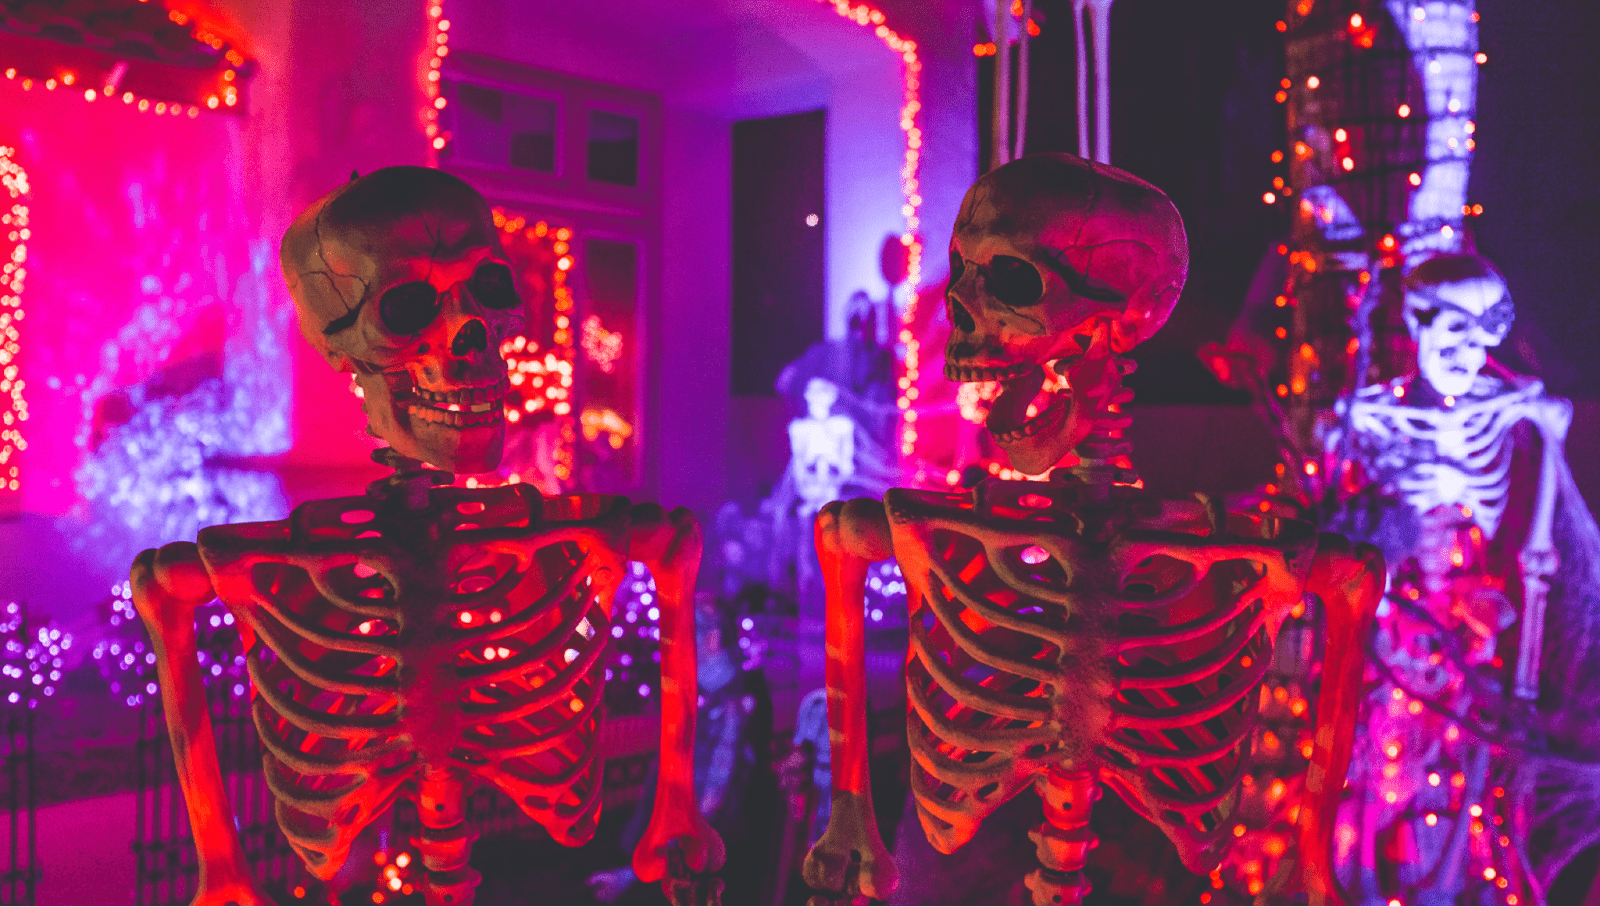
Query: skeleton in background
pixel 822 459
pixel 416 640
pixel 822 446
pixel 1457 474
pixel 1076 630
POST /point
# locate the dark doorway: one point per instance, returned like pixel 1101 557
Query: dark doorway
pixel 778 223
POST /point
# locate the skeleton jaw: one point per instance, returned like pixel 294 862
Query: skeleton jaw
pixel 1033 418
pixel 463 407
pixel 459 429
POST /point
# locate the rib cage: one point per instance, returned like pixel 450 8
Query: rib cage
pixel 463 639
pixel 1473 436
pixel 1132 635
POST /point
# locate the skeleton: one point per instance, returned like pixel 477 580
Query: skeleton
pixel 1076 630
pixel 411 641
pixel 1446 444
pixel 1446 441
pixel 822 447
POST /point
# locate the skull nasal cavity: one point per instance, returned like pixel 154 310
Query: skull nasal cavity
pixel 961 317
pixel 473 337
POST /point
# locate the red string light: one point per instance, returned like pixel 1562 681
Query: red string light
pixel 438 47
pixel 541 380
pixel 103 74
pixel 14 231
pixel 910 187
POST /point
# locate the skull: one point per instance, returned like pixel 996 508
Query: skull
pixel 1060 263
pixel 1456 308
pixel 399 277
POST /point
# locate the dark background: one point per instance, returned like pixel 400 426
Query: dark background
pixel 1192 111
pixel 777 259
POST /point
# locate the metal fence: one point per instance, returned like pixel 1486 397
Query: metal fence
pixel 166 867
pixel 19 698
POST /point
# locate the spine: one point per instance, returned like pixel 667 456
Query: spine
pixel 445 842
pixel 1064 839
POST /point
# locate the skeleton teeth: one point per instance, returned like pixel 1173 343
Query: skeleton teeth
pixel 467 398
pixel 456 416
pixel 967 374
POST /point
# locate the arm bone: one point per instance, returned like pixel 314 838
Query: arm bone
pixel 168 585
pixel 1349 580
pixel 849 537
pixel 670 545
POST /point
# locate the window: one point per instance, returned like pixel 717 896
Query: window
pixel 494 126
pixel 608 363
pixel 613 148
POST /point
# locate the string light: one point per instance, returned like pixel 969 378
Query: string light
pixel 15 232
pixel 542 380
pixel 438 48
pixel 222 92
pixel 910 187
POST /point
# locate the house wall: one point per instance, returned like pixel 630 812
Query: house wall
pixel 338 89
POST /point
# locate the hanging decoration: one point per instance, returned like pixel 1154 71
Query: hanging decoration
pixel 1012 23
pixel 1099 19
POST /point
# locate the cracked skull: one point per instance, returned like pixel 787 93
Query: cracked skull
pixel 1057 265
pixel 399 278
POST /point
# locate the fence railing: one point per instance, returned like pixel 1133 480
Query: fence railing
pixel 19 698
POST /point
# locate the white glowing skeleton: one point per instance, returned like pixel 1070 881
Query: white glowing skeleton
pixel 823 448
pixel 1457 452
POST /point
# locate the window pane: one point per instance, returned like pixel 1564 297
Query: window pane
pixel 491 126
pixel 613 148
pixel 608 362
pixel 474 122
pixel 533 132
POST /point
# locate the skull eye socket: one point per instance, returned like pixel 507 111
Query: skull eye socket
pixel 493 286
pixel 1014 282
pixel 958 266
pixel 409 307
